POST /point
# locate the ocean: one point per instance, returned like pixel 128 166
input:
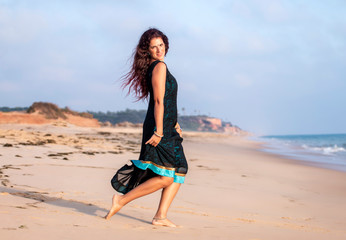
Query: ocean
pixel 325 150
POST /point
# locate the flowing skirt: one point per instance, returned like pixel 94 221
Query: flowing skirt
pixel 166 159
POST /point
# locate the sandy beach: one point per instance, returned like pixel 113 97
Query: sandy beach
pixel 55 184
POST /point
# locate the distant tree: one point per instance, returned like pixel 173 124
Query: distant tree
pixel 183 110
pixel 132 116
pixel 14 109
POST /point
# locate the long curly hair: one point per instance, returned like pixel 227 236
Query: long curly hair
pixel 135 79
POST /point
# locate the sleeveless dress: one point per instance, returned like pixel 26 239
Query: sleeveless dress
pixel 167 158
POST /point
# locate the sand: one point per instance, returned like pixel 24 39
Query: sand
pixel 55 184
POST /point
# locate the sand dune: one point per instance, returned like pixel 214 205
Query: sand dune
pixel 36 118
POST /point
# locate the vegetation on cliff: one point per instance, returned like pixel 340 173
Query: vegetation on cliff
pixel 14 109
pixel 129 117
pixel 192 122
pixel 52 111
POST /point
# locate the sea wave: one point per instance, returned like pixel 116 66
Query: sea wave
pixel 328 150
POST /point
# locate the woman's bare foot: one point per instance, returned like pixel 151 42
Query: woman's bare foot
pixel 163 222
pixel 115 207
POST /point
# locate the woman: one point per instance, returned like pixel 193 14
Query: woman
pixel 162 163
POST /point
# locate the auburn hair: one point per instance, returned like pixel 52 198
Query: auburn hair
pixel 135 79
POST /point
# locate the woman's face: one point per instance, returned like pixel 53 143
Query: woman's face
pixel 157 49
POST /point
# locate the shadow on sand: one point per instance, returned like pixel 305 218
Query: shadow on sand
pixel 79 206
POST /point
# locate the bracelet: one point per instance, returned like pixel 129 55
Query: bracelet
pixel 179 128
pixel 161 136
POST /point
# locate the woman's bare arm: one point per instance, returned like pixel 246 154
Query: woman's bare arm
pixel 158 82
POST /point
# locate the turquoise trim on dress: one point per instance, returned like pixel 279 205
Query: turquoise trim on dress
pixel 179 179
pixel 159 171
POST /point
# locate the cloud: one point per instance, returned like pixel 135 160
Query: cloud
pixel 8 86
pixel 242 80
pixel 250 56
pixel 19 26
pixel 273 10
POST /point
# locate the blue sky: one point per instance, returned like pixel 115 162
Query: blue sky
pixel 270 67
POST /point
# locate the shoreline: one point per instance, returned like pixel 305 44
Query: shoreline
pixel 297 153
pixel 233 190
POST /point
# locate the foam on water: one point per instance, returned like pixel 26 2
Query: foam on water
pixel 327 149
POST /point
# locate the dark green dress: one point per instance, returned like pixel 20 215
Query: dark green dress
pixel 167 158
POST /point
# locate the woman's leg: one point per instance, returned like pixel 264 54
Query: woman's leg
pixel 149 186
pixel 167 196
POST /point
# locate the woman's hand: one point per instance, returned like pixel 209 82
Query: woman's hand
pixel 178 129
pixel 154 140
pixel 180 132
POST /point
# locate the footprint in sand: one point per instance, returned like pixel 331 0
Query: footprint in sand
pixel 21 207
pixel 245 220
pixel 208 168
pixel 9 228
